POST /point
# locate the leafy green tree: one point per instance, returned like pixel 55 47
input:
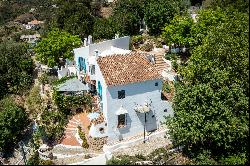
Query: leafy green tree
pixel 13 120
pixel 161 12
pixel 241 5
pixel 11 9
pixel 34 101
pixel 178 31
pixel 52 125
pixel 196 2
pixel 127 15
pixel 75 16
pixel 104 28
pixel 58 44
pixel 16 68
pixel 206 20
pixel 183 31
pixel 211 103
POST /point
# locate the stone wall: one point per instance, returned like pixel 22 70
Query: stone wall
pixel 96 144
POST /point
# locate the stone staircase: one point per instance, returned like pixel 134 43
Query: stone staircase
pixel 71 130
pixel 68 151
pixel 160 63
pixel 95 104
pixel 70 155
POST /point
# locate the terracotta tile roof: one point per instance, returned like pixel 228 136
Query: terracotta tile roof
pixel 127 68
pixel 35 22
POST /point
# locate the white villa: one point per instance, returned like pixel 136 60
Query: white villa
pixel 33 24
pixel 126 86
pixel 32 39
pixel 129 87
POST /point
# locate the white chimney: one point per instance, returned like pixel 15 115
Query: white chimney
pixel 96 53
pixel 85 42
pixel 151 58
pixel 89 39
pixel 116 36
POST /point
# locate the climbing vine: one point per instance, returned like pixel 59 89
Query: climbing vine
pixel 83 137
pixel 65 103
pixel 166 87
pixel 62 80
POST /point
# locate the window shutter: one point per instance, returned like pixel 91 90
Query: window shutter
pixel 84 65
pixel 100 89
pixel 125 119
pixel 79 63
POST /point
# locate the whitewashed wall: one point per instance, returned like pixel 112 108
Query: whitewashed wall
pixel 95 130
pixel 100 78
pixel 122 42
pixel 80 52
pixel 72 69
pixel 89 50
pixel 136 93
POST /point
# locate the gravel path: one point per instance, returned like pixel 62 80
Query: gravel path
pixel 70 160
pixel 110 143
pixel 68 151
pixel 143 148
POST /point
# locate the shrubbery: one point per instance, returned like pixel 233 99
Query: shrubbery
pixel 83 137
pixel 35 160
pixel 166 87
pixel 159 156
pixel 34 101
pixel 211 103
pixel 239 159
pixel 125 160
pixel 52 125
pixel 16 68
pixel 13 121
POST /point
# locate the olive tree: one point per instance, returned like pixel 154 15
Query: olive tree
pixel 211 103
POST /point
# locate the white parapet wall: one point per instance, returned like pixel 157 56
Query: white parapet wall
pixel 109 149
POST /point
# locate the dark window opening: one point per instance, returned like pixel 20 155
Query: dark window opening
pixel 101 130
pixel 163 97
pixel 93 70
pixel 121 120
pixel 78 110
pixel 156 84
pixel 121 94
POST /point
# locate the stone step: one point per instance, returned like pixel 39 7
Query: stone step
pixel 71 129
pixel 160 63
pixel 67 150
pixel 156 62
pixel 161 67
pixel 68 133
pixel 71 125
pixel 75 120
pixel 68 136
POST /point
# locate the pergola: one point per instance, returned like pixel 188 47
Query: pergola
pixel 143 109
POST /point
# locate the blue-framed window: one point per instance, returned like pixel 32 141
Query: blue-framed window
pixel 82 64
pixel 121 94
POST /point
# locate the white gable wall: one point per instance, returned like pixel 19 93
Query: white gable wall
pixel 122 42
pixel 99 77
pixel 136 93
pixel 80 52
pixel 89 50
